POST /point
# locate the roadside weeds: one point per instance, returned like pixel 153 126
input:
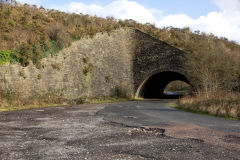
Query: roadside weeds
pixel 51 100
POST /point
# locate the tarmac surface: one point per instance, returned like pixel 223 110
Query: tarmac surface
pixel 155 112
pixel 124 131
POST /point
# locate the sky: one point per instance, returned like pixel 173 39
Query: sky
pixel 219 17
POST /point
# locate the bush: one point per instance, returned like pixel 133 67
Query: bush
pixel 59 35
pixel 56 66
pixel 78 101
pixel 4 56
pixel 225 104
pixel 25 53
pixel 179 87
pixel 87 69
pixel 213 70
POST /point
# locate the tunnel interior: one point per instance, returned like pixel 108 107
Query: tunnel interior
pixel 154 87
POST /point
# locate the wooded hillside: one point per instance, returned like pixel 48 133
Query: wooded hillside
pixel 29 33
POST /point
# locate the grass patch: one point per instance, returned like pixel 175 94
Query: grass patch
pixel 4 56
pixel 105 100
pixel 184 108
pixel 224 105
pixel 11 102
pixel 17 108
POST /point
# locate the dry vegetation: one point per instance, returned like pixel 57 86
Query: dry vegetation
pixel 179 87
pixel 11 101
pixel 29 33
pixel 224 104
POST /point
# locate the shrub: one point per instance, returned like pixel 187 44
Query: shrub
pixel 108 79
pixel 213 70
pixel 4 56
pixel 178 86
pixel 37 52
pixel 59 35
pixel 22 74
pixel 86 60
pixel 25 53
pixel 12 23
pixel 56 66
pixel 78 101
pixel 39 76
pixel 87 69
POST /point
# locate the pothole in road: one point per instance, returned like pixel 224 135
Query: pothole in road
pixel 130 117
pixel 43 119
pixel 232 139
pixel 39 110
pixel 147 130
pixel 196 140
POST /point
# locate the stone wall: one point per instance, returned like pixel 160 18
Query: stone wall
pixel 112 64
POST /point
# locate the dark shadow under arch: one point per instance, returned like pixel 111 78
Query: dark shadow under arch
pixel 155 85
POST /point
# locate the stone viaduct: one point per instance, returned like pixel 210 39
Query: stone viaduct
pixel 126 62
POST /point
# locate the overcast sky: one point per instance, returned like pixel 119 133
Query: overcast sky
pixel 220 17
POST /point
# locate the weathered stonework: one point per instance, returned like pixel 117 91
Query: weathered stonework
pixel 106 65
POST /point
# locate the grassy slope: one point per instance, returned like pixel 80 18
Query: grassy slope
pixel 28 33
pixel 31 33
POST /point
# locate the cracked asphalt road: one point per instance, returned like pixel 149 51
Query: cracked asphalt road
pixel 113 132
pixel 155 112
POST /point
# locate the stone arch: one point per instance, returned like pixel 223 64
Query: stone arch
pixel 153 86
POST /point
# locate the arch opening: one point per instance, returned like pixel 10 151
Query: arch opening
pixel 154 87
